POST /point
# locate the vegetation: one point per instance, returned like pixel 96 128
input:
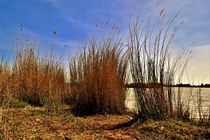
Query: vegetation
pixel 98 76
pixel 151 62
pixel 38 124
pixel 96 85
pixel 33 80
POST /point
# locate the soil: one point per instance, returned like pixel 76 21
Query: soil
pixel 38 124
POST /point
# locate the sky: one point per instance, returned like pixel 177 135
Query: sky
pixel 75 21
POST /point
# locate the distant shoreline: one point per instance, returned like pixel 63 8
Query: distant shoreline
pixel 157 85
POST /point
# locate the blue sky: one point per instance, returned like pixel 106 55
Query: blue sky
pixel 76 20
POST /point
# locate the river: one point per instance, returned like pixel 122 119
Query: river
pixel 189 97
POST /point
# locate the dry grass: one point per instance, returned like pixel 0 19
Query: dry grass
pixel 37 81
pixel 5 76
pixel 32 79
pixel 97 77
pixel 203 116
pixel 151 62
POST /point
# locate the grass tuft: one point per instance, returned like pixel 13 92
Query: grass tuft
pixel 97 77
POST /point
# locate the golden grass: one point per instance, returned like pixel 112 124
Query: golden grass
pixel 33 80
pixel 97 77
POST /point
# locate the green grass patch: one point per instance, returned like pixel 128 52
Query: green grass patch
pixel 14 103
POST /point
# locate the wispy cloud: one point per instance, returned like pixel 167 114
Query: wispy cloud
pixel 75 20
pixel 195 15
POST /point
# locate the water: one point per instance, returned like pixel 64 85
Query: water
pixel 189 97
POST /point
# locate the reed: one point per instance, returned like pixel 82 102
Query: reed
pixel 151 62
pixel 35 80
pixel 203 115
pixel 5 74
pixel 97 77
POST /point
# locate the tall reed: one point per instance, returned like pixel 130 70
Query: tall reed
pixel 97 77
pixel 35 80
pixel 151 62
pixel 5 76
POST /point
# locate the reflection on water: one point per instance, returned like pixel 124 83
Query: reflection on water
pixel 130 102
pixel 189 97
